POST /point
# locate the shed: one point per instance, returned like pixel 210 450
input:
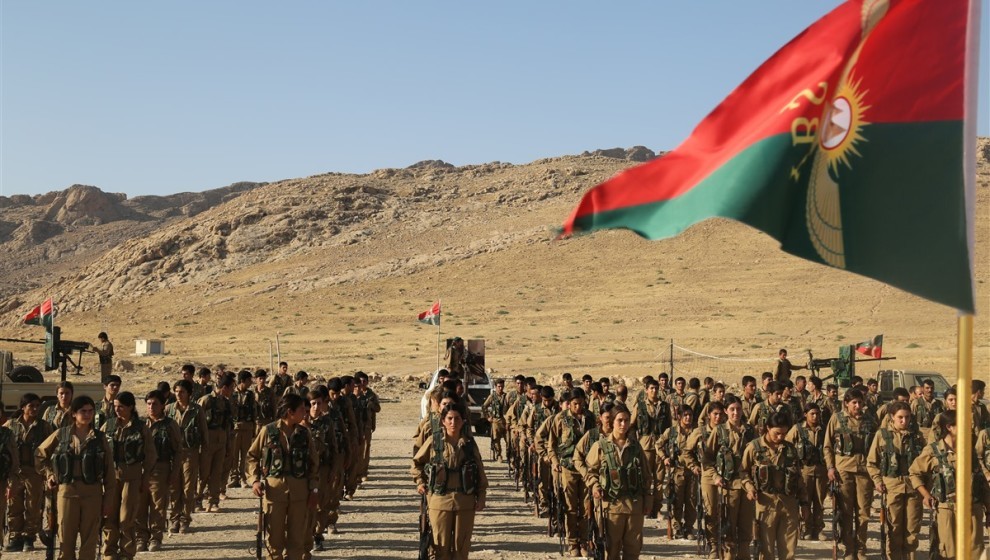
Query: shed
pixel 147 347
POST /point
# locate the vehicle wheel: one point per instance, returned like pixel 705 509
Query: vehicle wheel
pixel 26 374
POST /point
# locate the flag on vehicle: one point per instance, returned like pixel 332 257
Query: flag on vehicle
pixel 872 347
pixel 432 315
pixel 846 146
pixel 42 314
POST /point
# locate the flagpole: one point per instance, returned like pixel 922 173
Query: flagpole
pixel 440 305
pixel 964 438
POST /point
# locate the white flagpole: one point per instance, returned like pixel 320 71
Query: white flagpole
pixel 439 313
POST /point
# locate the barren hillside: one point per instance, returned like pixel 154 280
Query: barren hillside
pixel 340 265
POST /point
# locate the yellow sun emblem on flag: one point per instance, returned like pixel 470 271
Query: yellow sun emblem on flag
pixel 842 129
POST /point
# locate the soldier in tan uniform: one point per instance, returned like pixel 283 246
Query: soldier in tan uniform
pixel 848 438
pixel 283 463
pixel 78 462
pixel 692 456
pixel 893 451
pixel 327 436
pixel 651 417
pixel 926 409
pixel 933 474
pixel 281 380
pixel 532 420
pixel 134 457
pixel 219 421
pixel 335 410
pixel 24 516
pixel 265 397
pixel 771 475
pixel 784 367
pixel 749 399
pixel 58 414
pixel 368 407
pixel 722 459
pixel 244 405
pixel 153 505
pixel 677 398
pixel 449 472
pixel 717 394
pixel 191 420
pixel 771 405
pixel 10 474
pixel 111 387
pixel 883 416
pixel 495 408
pixel 104 350
pixel 808 438
pixel 565 431
pixel 617 478
pixel 678 479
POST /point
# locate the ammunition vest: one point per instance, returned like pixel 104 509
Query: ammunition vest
pixel 27 441
pixel 540 414
pixel 496 408
pixel 266 403
pixel 943 477
pixel 652 425
pixel 91 458
pixel 926 413
pixel 278 461
pixel 281 383
pixel 849 443
pixel 765 410
pixel 217 412
pixel 776 479
pixel 727 462
pixel 163 443
pixel 129 448
pixel 364 410
pixel 673 448
pixel 337 417
pixel 323 430
pixel 246 411
pixel 894 463
pixel 436 470
pixel 6 459
pixel 188 425
pixel 622 479
pixel 54 415
pixel 810 454
pixel 569 437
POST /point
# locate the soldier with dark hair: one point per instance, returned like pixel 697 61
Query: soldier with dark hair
pixel 808 438
pixel 191 421
pixel 722 459
pixel 134 457
pixel 926 409
pixel 104 350
pixel 784 367
pixel 299 385
pixel 111 387
pixel 77 460
pixel 153 503
pixel 219 422
pixel 283 463
pixel 202 386
pixel 265 397
pixel 565 430
pixel 26 432
pixel 246 413
pixel 281 380
pixel 355 428
pixel 495 408
pixel 771 475
pixel 670 449
pixel 771 405
pixel 749 399
pixel 543 408
pixel 337 414
pixel 59 414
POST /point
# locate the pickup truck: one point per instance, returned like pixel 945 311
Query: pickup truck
pixel 478 389
pixel 890 379
pixel 14 384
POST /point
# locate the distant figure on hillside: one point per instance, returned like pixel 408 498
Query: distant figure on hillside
pixel 784 367
pixel 104 349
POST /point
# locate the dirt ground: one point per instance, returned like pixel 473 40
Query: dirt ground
pixel 381 522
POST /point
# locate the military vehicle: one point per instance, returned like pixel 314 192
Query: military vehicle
pixel 477 384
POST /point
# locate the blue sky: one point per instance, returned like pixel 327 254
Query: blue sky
pixel 157 98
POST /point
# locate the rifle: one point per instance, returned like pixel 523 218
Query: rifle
pixel 702 536
pixel 491 444
pixel 723 515
pixel 552 527
pixel 259 537
pixel 526 472
pixel 883 527
pixel 598 533
pixel 48 535
pixel 933 540
pixel 668 499
pixel 561 512
pixel 425 530
pixel 534 479
pixel 833 489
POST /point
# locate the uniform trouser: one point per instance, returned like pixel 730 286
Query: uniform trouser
pixel 288 516
pixel 657 472
pixel 243 437
pixel 625 535
pixel 335 490
pixel 857 500
pixel 777 523
pixel 80 508
pixel 353 475
pixel 182 493
pixel 574 493
pixel 545 490
pixel 709 495
pixel 24 513
pixel 498 434
pixel 229 463
pixel 946 519
pixel 119 531
pixel 452 533
pixel 738 528
pixel 365 455
pixel 817 485
pixel 685 499
pixel 153 505
pixel 319 517
pixel 904 513
pixel 211 461
pixel 3 512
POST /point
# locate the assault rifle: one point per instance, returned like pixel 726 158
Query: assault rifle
pixel 425 530
pixel 668 500
pixel 491 445
pixel 833 489
pixel 534 479
pixel 511 458
pixel 597 533
pixel 49 534
pixel 702 536
pixel 259 537
pixel 552 527
pixel 561 512
pixel 525 472
pixel 884 519
pixel 933 540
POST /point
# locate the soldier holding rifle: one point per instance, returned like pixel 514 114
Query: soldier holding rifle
pixel 808 438
pixel 723 457
pixel 565 431
pixel 670 451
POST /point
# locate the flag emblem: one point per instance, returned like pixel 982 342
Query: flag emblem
pixel 431 316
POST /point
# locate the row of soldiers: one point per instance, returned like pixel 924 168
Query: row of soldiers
pixel 193 444
pixel 734 469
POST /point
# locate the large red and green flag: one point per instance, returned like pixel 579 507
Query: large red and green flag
pixel 43 314
pixel 847 146
pixel 431 316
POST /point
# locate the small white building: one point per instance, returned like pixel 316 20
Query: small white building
pixel 147 347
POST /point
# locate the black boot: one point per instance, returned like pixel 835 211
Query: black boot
pixel 15 544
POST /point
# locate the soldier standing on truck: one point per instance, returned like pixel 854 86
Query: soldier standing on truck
pixel 455 356
pixel 784 367
pixel 103 349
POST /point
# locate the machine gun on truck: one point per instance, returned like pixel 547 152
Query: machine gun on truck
pixel 843 367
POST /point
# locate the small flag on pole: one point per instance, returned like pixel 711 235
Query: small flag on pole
pixel 872 347
pixel 432 315
pixel 42 314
